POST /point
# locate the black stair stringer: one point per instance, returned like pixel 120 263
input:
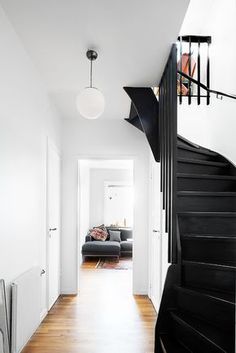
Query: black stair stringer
pixel 134 118
pixel 146 106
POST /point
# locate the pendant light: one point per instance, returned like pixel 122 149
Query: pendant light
pixel 90 102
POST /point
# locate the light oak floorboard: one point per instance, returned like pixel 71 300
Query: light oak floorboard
pixel 104 318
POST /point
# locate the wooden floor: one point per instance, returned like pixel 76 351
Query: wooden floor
pixel 104 318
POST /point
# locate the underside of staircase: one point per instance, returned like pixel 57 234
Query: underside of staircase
pixel 197 310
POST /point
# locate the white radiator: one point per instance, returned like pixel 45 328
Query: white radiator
pixel 26 298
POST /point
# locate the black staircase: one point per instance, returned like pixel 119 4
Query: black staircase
pixel 197 311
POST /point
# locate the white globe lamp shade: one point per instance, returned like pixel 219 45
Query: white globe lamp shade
pixel 90 103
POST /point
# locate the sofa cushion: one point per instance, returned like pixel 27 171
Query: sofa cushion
pixel 126 246
pixel 126 234
pixel 114 235
pixel 98 234
pixel 101 248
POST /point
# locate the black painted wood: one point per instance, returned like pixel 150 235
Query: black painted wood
pixel 201 315
pixel 145 104
pixel 199 248
pixel 205 201
pixel 207 307
pixel 134 118
pixel 197 310
pixel 198 166
pixel 218 278
pixel 205 182
pixel 170 344
pixel 191 153
pixel 199 336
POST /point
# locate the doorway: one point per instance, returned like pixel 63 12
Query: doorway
pixel 105 203
pixel 53 224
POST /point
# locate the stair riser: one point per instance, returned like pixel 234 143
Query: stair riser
pixel 192 340
pixel 218 313
pixel 207 225
pixel 193 168
pixel 200 276
pixel 206 203
pixel 197 184
pixel 182 153
pixel 202 251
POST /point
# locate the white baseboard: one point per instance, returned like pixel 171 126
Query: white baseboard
pixel 69 292
pixel 140 292
pixel 43 314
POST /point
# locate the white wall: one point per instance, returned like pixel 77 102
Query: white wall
pixel 214 126
pixel 111 139
pixel 83 202
pixel 26 119
pixel 97 179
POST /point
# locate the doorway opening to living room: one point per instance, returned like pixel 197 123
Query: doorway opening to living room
pixel 105 217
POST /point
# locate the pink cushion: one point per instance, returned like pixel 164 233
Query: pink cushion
pixel 99 234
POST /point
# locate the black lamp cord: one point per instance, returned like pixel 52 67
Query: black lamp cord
pixel 91 74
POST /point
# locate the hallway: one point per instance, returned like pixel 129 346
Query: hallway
pixel 104 318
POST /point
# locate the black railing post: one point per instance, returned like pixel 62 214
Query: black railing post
pixel 189 70
pixel 198 73
pixel 181 67
pixel 208 72
pixel 168 143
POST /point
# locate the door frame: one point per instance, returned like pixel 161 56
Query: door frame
pixel 101 157
pixel 51 144
pixel 155 301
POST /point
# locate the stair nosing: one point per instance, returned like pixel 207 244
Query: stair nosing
pixel 164 346
pixel 202 236
pixel 204 294
pixel 207 214
pixel 206 193
pixel 199 161
pixel 198 150
pixel 206 176
pixel 178 317
pixel 209 264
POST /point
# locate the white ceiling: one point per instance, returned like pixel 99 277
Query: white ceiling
pixel 132 37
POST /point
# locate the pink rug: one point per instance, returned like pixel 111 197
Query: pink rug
pixel 114 264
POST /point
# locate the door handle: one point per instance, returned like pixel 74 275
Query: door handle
pixel 155 231
pixel 42 272
pixel 52 229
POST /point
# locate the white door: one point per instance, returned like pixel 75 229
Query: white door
pixel 155 237
pixel 53 242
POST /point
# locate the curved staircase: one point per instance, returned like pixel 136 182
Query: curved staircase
pixel 197 310
pixel 201 314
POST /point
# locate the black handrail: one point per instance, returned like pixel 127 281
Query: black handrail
pixel 218 93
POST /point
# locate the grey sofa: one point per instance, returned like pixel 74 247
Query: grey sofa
pixel 109 248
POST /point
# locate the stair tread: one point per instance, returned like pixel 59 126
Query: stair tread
pixel 207 214
pixel 225 297
pixel 202 328
pixel 210 236
pixel 206 193
pixel 170 344
pixel 181 139
pixel 200 161
pixel 206 176
pixel 198 150
pixel 209 265
pixel 222 297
